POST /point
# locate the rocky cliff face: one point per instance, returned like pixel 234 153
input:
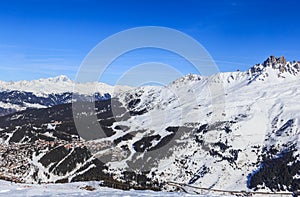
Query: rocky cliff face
pixel 276 66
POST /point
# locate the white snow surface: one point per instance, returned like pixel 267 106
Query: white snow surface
pixel 75 189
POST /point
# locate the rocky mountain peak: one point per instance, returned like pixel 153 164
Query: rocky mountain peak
pixel 187 78
pixel 273 61
pixel 278 65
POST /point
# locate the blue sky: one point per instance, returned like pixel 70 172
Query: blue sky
pixel 48 38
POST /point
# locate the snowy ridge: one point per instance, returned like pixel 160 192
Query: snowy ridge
pixel 58 85
pixel 21 95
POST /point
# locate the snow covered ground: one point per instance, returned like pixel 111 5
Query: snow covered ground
pixel 75 189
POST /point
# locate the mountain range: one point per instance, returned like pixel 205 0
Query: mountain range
pixel 43 93
pixel 230 131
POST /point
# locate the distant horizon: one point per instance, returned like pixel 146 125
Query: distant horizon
pixel 52 38
pixel 74 78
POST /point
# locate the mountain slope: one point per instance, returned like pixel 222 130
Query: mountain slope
pixel 13 101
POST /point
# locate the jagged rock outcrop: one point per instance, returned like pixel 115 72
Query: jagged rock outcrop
pixel 274 67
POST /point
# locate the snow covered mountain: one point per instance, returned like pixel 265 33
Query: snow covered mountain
pixel 230 131
pixel 42 93
pixel 56 85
